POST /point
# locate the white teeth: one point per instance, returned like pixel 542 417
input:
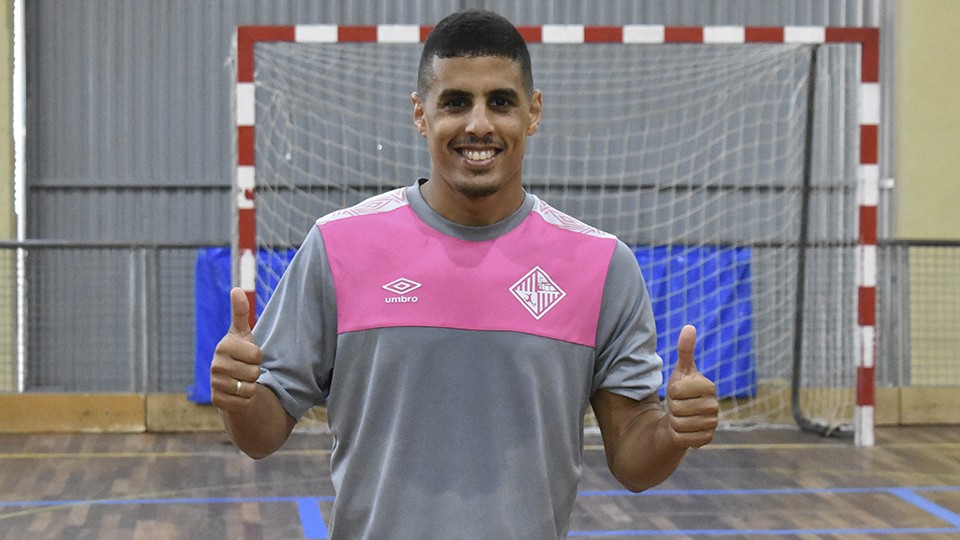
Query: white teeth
pixel 476 155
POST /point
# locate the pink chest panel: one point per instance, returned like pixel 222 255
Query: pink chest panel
pixel 392 270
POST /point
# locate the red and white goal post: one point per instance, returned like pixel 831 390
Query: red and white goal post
pixel 646 182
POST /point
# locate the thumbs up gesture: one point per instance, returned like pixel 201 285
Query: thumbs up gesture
pixel 236 360
pixel 692 405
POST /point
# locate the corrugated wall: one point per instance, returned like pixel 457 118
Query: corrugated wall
pixel 129 124
pixel 130 101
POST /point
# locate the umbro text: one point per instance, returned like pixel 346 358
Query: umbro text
pixel 400 299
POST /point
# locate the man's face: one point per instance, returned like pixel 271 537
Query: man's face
pixel 476 116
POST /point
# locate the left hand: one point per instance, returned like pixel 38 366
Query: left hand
pixel 692 405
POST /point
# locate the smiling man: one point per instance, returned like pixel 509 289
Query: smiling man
pixel 459 328
pixel 476 113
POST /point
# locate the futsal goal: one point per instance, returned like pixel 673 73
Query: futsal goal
pixel 740 163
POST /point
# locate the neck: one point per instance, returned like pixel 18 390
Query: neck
pixel 472 210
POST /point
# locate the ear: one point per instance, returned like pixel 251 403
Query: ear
pixel 418 118
pixel 536 110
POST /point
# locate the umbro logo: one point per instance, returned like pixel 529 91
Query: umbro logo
pixel 401 287
pixel 537 292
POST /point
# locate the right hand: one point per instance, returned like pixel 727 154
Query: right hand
pixel 236 360
pixel 692 407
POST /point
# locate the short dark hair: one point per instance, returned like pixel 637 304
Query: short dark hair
pixel 474 33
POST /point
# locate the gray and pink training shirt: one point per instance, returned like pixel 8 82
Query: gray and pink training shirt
pixel 456 362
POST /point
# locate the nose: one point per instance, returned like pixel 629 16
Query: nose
pixel 479 123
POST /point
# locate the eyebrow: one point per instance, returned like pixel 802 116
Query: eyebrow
pixel 509 93
pixel 506 93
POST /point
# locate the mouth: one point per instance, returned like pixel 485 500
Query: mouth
pixel 478 157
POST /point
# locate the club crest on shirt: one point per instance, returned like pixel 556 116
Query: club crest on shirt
pixel 537 292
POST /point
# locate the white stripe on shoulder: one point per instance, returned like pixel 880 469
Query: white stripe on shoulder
pixel 377 204
pixel 557 218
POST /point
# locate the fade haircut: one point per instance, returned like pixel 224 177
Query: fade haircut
pixel 474 33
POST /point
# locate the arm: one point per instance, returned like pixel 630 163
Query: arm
pixel 644 443
pixel 253 417
pixel 262 428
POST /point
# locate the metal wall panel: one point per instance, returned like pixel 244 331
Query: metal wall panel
pixel 118 214
pixel 695 12
pixel 129 128
pixel 138 92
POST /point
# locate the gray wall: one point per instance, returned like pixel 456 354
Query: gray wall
pixel 129 109
pixel 129 125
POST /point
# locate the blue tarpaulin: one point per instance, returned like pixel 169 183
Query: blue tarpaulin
pixel 708 287
pixel 211 292
pixel 212 283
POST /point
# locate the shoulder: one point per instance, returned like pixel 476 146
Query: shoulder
pixel 624 262
pixel 565 222
pixel 378 204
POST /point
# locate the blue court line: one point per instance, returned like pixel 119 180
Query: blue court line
pixel 315 528
pixel 909 495
pixel 311 520
pixel 760 532
pixel 928 506
pixel 206 500
pixel 762 491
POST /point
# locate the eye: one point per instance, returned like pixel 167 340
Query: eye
pixel 500 103
pixel 455 103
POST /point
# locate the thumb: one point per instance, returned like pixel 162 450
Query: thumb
pixel 685 345
pixel 240 308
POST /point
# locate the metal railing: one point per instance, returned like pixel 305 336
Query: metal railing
pixel 120 317
pixel 96 317
pixel 918 309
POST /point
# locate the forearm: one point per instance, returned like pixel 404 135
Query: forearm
pixel 645 454
pixel 261 428
pixel 641 447
pixel 645 442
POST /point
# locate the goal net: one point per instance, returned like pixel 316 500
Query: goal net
pixel 731 169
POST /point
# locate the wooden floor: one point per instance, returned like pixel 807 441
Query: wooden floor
pixel 763 484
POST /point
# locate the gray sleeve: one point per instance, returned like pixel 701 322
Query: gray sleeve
pixel 627 362
pixel 297 331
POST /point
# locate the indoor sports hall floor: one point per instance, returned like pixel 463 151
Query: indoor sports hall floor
pixel 762 484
